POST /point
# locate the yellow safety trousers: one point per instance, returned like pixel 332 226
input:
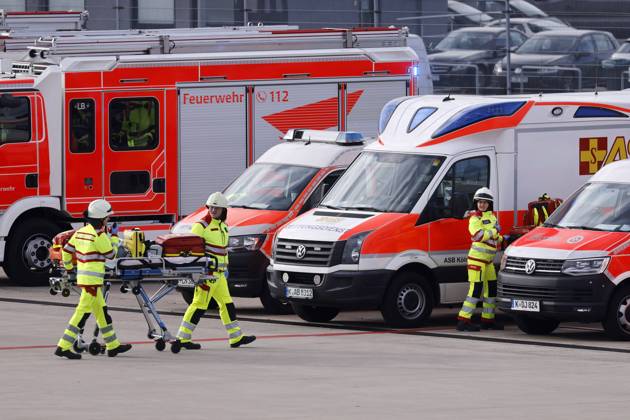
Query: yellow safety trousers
pixel 218 289
pixel 483 280
pixel 90 304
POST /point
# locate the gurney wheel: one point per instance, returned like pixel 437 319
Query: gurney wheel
pixel 94 348
pixel 160 345
pixel 103 348
pixel 135 290
pixel 77 348
pixel 124 288
pixel 52 292
pixel 65 292
pixel 176 346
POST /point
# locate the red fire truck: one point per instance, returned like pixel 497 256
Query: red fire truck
pixel 180 116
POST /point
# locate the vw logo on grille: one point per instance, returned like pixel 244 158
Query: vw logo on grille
pixel 530 267
pixel 300 252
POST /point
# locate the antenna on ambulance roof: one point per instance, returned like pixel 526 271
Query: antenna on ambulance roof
pixel 448 98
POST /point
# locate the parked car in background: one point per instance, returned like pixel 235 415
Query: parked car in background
pixel 531 26
pixel 617 67
pixel 562 60
pixel 518 8
pixel 464 15
pixel 464 60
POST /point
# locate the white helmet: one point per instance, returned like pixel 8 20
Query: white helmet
pixel 217 199
pixel 484 194
pixel 99 209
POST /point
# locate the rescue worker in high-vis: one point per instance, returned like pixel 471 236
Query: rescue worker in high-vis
pixel 92 246
pixel 486 238
pixel 539 210
pixel 214 231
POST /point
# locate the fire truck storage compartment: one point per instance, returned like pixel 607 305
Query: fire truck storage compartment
pixel 365 100
pixel 278 108
pixel 212 141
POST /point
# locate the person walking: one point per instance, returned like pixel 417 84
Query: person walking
pixel 92 246
pixel 486 238
pixel 214 231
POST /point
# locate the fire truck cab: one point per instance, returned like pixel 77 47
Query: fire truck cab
pixel 391 234
pixel 287 180
pixel 576 267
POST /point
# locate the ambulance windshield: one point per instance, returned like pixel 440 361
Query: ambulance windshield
pixel 383 182
pixel 266 186
pixel 597 206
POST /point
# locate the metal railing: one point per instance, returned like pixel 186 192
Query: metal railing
pixel 435 76
pixel 524 75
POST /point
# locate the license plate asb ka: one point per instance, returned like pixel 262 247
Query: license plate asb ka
pixel 299 292
pixel 525 305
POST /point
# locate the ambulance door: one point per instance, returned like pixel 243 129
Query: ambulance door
pixel 449 239
pixel 134 144
pixel 365 100
pixel 278 108
pixel 83 149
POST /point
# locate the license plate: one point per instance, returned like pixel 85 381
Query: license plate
pixel 185 283
pixel 299 293
pixel 519 79
pixel 525 305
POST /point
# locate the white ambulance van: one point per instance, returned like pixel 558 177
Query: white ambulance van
pixel 576 267
pixel 391 233
pixel 286 181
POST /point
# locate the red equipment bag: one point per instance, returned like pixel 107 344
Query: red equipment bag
pixel 550 205
pixel 58 242
pixel 181 245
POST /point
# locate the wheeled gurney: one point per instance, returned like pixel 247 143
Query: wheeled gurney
pixel 161 263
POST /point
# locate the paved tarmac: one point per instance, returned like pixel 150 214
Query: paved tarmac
pixel 352 368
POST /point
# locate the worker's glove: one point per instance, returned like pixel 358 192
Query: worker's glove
pixel 72 274
pixel 114 229
pixel 498 227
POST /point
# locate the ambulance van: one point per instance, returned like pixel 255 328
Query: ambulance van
pixel 576 267
pixel 286 181
pixel 391 234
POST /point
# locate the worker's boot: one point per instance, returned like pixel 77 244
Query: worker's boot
pixel 466 326
pixel 120 349
pixel 67 354
pixel 245 340
pixel 491 325
pixel 189 345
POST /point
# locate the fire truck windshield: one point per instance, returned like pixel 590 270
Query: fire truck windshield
pixel 383 182
pixel 597 206
pixel 268 186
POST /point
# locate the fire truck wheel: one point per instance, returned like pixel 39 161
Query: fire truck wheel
pixel 314 313
pixel 408 301
pixel 617 322
pixel 535 326
pixel 271 305
pixel 27 255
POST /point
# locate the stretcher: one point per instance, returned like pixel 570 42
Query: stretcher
pixel 135 265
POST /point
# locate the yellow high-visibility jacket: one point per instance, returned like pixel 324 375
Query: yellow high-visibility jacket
pixel 92 248
pixel 484 235
pixel 215 236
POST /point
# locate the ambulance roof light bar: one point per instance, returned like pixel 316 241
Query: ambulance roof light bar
pixel 348 138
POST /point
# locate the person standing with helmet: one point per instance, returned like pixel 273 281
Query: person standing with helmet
pixel 486 238
pixel 215 235
pixel 92 247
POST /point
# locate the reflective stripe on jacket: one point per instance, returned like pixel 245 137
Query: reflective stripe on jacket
pixel 215 236
pixel 91 249
pixel 484 235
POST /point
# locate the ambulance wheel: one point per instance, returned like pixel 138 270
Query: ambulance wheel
pixel 271 305
pixel 536 326
pixel 617 322
pixel 314 313
pixel 65 293
pixel 408 301
pixel 176 346
pixel 94 348
pixel 160 345
pixel 27 255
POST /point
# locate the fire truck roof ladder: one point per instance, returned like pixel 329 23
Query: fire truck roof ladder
pixel 38 21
